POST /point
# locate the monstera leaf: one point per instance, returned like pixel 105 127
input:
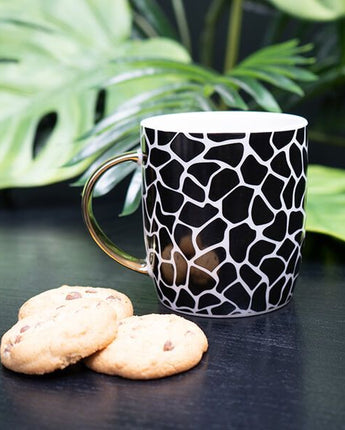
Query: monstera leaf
pixel 53 57
pixel 326 201
pixel 316 10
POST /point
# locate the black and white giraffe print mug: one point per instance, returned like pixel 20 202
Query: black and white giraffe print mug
pixel 223 210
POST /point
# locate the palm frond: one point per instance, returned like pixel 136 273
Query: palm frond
pixel 189 87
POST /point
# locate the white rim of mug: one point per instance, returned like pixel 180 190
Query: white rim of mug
pixel 225 122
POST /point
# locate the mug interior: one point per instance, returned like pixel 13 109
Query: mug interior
pixel 225 122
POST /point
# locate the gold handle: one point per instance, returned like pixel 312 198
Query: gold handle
pixel 127 260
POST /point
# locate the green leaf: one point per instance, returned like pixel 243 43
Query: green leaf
pixel 316 10
pixel 150 10
pixel 230 96
pixel 113 177
pixel 133 196
pixel 288 60
pixel 275 65
pixel 57 65
pixel 279 54
pixel 130 123
pixel 292 72
pixel 275 79
pixel 322 180
pixel 138 68
pixel 100 143
pixel 283 49
pixel 326 201
pixel 144 99
pixel 259 93
pixel 127 144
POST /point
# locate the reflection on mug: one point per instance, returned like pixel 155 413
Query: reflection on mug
pixel 184 263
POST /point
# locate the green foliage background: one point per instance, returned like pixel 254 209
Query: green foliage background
pixel 76 78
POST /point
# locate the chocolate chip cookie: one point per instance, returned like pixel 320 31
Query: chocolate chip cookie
pixel 151 346
pixel 59 296
pixel 59 336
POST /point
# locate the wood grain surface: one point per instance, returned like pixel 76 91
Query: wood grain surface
pixel 283 370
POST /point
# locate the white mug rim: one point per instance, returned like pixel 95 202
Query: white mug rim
pixel 225 122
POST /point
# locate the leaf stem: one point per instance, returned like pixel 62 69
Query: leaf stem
pixel 234 34
pixel 341 36
pixel 209 29
pixel 182 24
pixel 144 25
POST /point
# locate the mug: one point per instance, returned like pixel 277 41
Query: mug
pixel 223 210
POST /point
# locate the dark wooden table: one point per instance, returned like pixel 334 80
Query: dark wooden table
pixel 283 370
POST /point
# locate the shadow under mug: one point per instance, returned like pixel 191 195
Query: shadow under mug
pixel 223 210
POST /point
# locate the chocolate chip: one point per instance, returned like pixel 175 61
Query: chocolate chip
pixel 188 332
pixel 168 346
pixel 17 339
pixel 24 328
pixel 113 298
pixel 72 296
pixel 8 348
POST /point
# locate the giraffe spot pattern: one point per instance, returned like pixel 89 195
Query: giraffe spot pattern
pixel 224 218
